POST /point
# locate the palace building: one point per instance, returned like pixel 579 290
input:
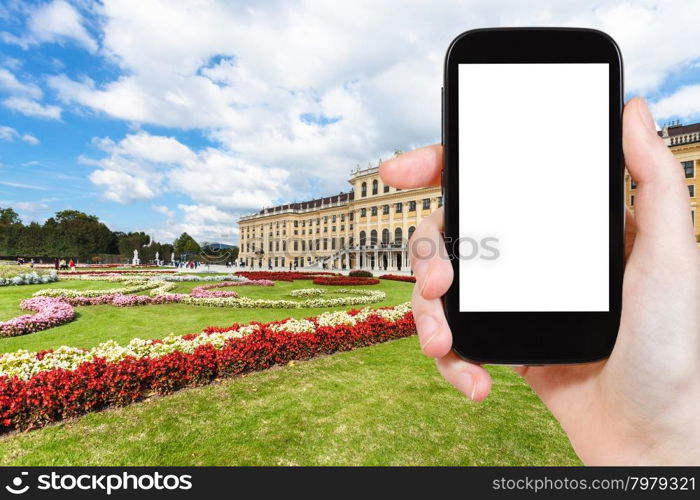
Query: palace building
pixel 365 228
pixel 684 142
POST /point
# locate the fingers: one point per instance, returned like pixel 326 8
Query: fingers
pixel 433 331
pixel 662 203
pixel 470 379
pixel 429 260
pixel 418 168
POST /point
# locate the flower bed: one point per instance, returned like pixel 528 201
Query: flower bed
pixel 32 278
pixel 396 277
pixel 345 281
pixel 113 272
pixel 132 287
pixel 307 292
pixel 48 386
pixel 284 275
pixel 121 300
pixel 50 312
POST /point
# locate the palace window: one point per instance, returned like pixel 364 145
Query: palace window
pixel 296 245
pixel 691 191
pixel 277 246
pixel 398 235
pixel 632 200
pixel 333 219
pixel 399 207
pixel 411 230
pixel 325 219
pixel 363 238
pixel 373 237
pixel 385 237
pixel 386 188
pixel 318 229
pixel 374 211
pixel 363 212
pixel 364 189
pixel 333 229
pixel 325 229
pixel 385 209
pixel 325 243
pixel 689 168
pixel 342 242
pixel 426 204
pixel 342 218
pixel 342 227
pixel 270 246
pixel 439 201
pixel 296 223
pixel 350 216
pixel 411 206
pixel 375 186
pixel 332 243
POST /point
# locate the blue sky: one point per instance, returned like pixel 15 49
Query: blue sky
pixel 158 116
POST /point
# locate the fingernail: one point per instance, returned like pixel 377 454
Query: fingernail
pixel 427 327
pixel 646 115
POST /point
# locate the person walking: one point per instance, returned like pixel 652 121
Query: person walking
pixel 71 264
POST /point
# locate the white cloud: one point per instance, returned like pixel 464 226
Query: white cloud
pixel 143 166
pixel 10 134
pixel 9 83
pixel 30 139
pixel 56 21
pixel 684 103
pixel 30 206
pixel 30 107
pixel 162 209
pixel 7 133
pixel 124 187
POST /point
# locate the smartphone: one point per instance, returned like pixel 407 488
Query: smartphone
pixel 533 194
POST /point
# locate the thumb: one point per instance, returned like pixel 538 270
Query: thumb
pixel 662 202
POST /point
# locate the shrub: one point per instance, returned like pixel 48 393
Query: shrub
pixel 359 273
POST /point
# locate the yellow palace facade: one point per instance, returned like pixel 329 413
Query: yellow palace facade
pixel 365 228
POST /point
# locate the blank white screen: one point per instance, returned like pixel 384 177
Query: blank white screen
pixel 533 172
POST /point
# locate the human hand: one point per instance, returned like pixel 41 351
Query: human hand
pixel 641 405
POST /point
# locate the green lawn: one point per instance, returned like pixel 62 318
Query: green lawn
pixel 381 405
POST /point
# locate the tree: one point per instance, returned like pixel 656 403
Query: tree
pixel 9 216
pixel 186 245
pixel 128 242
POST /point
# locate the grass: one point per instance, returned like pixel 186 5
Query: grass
pixel 383 405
